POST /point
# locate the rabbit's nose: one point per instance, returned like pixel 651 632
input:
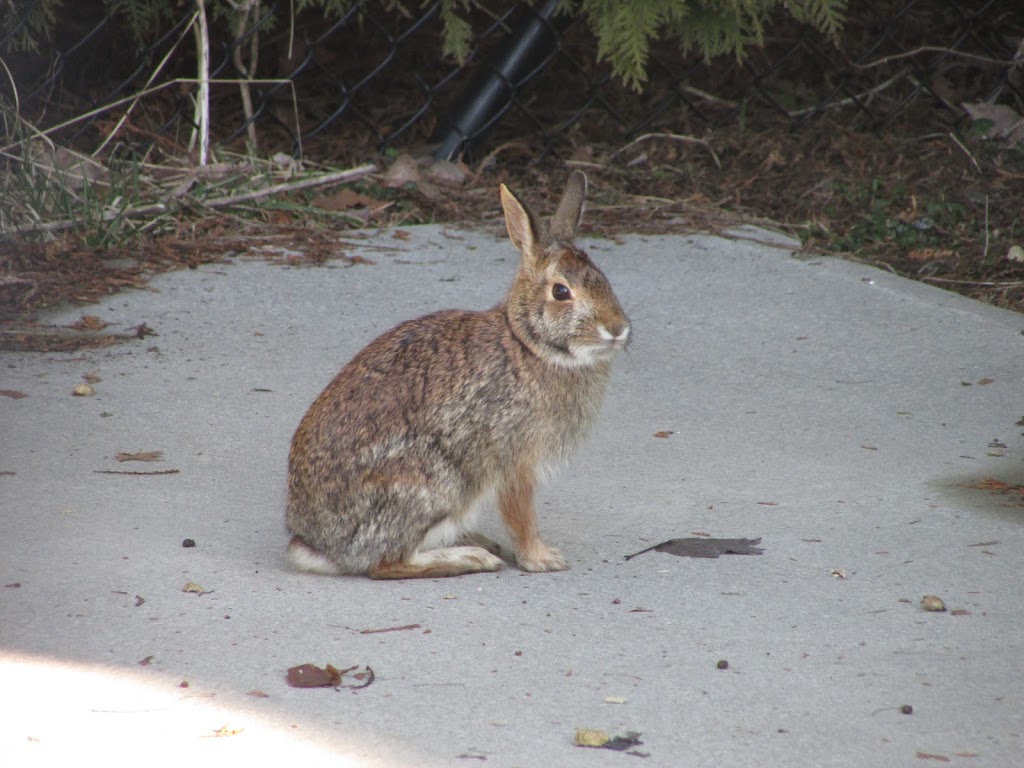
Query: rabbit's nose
pixel 616 331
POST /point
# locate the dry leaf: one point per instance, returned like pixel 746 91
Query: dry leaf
pixel 195 589
pixel 83 390
pixel 447 173
pixel 1004 121
pixel 141 456
pixel 89 323
pixel 591 737
pixel 933 603
pixel 838 573
pixel 146 661
pixel 12 393
pixel 405 170
pixel 927 756
pixel 705 547
pixel 226 731
pixel 312 676
pixel 664 433
pixel 257 694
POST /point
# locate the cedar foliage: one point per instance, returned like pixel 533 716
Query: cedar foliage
pixel 624 29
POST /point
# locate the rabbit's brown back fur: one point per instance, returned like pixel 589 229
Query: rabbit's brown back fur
pixel 442 409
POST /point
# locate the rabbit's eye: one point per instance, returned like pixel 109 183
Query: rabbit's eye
pixel 560 292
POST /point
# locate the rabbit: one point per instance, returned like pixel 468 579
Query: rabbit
pixel 398 452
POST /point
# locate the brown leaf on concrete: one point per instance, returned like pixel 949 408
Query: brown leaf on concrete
pixel 141 456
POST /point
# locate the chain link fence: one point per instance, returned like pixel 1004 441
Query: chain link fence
pixel 345 88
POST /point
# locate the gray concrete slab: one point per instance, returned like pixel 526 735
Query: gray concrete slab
pixel 834 410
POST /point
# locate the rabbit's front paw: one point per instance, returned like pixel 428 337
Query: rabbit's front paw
pixel 542 558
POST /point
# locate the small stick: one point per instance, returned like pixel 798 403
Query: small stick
pixel 388 629
pixel 984 254
pixel 671 137
pixel 966 151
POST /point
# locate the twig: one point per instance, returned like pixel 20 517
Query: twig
pixel 14 87
pixel 670 137
pixel 849 100
pixel 966 151
pixel 984 254
pixel 126 472
pixel 388 629
pixel 244 9
pixel 986 283
pixel 203 94
pixel 931 49
pixel 155 209
pixel 146 92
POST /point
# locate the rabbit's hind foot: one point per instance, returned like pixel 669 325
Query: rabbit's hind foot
pixel 436 563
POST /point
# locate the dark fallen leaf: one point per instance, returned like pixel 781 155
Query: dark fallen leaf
pixel 13 585
pixel 139 600
pixel 188 543
pixel 664 433
pixel 146 661
pixel 141 456
pixel 142 330
pixel 312 676
pixel 624 742
pixel 12 393
pixel 642 610
pixel 926 756
pixel 705 547
pixel 257 694
pixel 985 543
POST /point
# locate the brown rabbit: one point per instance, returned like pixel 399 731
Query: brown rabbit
pixel 423 424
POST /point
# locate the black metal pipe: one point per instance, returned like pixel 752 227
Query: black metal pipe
pixel 523 53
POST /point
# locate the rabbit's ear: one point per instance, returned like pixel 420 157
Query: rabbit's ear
pixel 567 218
pixel 523 229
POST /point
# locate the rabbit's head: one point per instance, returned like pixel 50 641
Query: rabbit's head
pixel 561 305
